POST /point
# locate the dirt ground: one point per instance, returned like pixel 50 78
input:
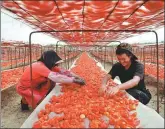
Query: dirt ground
pixel 13 117
pixel 11 114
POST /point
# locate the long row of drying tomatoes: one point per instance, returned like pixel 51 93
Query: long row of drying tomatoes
pixel 15 74
pixel 77 103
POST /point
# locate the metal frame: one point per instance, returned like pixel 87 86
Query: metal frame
pixel 58 42
pixel 156 36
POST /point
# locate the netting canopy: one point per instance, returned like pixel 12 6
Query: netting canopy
pixel 57 15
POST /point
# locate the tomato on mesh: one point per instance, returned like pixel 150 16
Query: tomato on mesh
pixel 37 124
pixel 77 103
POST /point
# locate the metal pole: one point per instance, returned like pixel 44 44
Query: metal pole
pixel 41 50
pixel 104 57
pixel 154 56
pixel 65 57
pixel 21 57
pixel 30 54
pixel 19 53
pixel 35 53
pixel 157 54
pixel 72 53
pixel 58 42
pixel 15 57
pixel 24 59
pixel 8 53
pixel 11 58
pixel 141 58
pixel 103 31
pixel 107 54
pixel 57 46
pixel 112 55
pixel 68 58
pixel 144 59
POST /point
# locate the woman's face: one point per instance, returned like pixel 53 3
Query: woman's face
pixel 124 59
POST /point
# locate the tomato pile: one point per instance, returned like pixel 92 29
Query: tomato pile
pixel 151 69
pixel 10 77
pixel 161 61
pixel 80 102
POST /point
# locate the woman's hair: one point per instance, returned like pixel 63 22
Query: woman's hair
pixel 49 58
pixel 128 53
pixel 123 51
pixel 125 48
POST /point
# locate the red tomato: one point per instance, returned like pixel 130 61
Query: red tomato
pixel 103 125
pixel 37 124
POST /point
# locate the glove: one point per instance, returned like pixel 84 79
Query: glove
pixel 79 81
pixel 77 77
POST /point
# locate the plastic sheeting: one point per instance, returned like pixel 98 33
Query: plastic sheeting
pixel 89 15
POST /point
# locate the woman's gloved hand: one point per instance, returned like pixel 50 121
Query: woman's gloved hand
pixel 77 77
pixel 79 81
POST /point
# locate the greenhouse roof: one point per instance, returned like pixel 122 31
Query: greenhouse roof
pixel 95 15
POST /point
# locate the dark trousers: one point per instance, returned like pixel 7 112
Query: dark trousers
pixel 143 96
